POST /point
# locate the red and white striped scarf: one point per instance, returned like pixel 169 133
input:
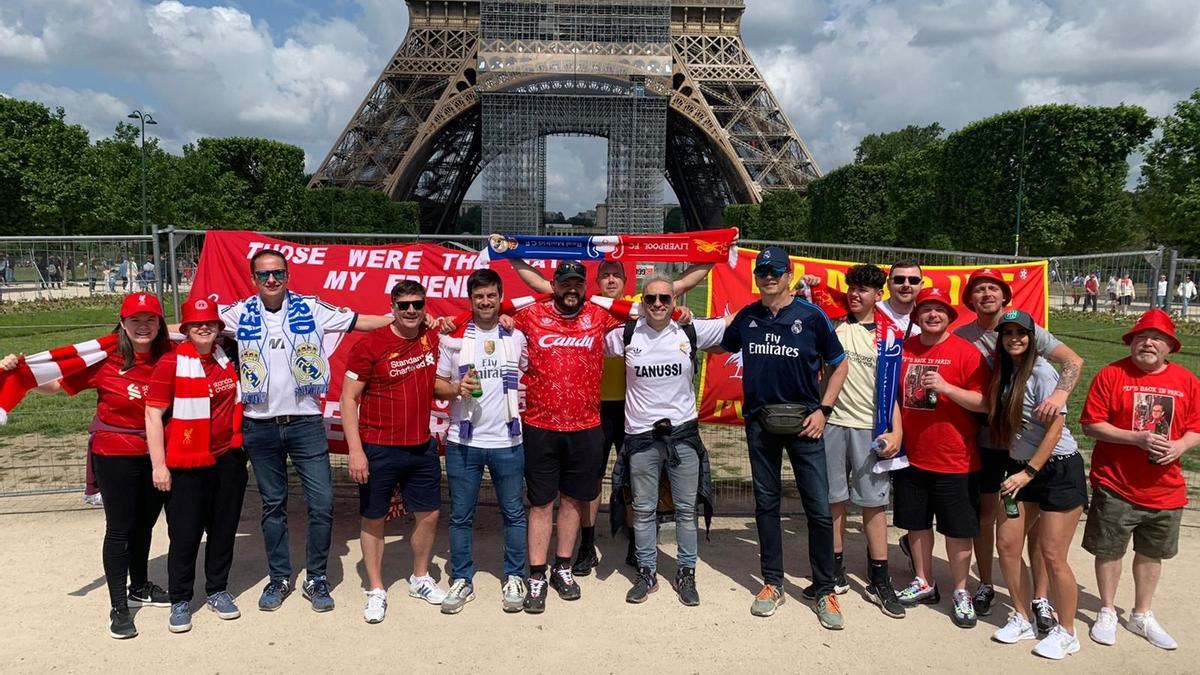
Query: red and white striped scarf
pixel 45 367
pixel 189 434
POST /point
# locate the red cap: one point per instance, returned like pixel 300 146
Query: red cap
pixel 935 295
pixel 984 274
pixel 200 310
pixel 1154 319
pixel 135 303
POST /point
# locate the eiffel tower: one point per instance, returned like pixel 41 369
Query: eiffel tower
pixel 419 135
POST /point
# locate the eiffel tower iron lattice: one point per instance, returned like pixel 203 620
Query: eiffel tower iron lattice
pixel 419 133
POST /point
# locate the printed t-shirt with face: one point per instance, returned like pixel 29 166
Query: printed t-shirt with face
pixel 222 393
pixel 566 355
pixel 488 413
pixel 782 354
pixel 1043 380
pixel 855 406
pixel 1128 398
pixel 281 383
pixel 903 322
pixel 658 369
pixel 397 374
pixel 120 401
pixel 612 379
pixel 941 438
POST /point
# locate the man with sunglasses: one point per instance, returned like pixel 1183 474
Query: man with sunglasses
pixel 283 371
pixel 386 399
pixel 785 344
pixel 904 282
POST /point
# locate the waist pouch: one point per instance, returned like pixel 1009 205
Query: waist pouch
pixel 783 418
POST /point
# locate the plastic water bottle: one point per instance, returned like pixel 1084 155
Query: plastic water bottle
pixel 878 446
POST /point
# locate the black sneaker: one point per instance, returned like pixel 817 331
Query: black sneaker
pixel 535 600
pixel 840 584
pixel 907 551
pixel 149 594
pixel 564 582
pixel 685 586
pixel 1043 613
pixel 645 584
pixel 985 595
pixel 881 593
pixel 120 624
pixel 585 562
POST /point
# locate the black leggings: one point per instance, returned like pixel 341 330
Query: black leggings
pixel 131 507
pixel 207 499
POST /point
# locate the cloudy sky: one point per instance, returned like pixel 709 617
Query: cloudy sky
pixel 296 70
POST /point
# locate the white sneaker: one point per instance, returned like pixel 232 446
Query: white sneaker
pixel 1104 631
pixel 1058 644
pixel 426 589
pixel 93 500
pixel 514 594
pixel 1147 626
pixel 1018 628
pixel 376 607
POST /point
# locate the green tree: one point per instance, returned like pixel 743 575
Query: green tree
pixel 44 181
pixel 116 164
pixel 885 148
pixel 1169 191
pixel 355 210
pixel 243 183
pixel 850 205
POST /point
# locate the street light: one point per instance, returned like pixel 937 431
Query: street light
pixel 146 118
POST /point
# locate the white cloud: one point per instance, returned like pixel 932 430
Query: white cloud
pixel 95 111
pixel 21 47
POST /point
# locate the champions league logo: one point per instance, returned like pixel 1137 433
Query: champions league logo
pixel 308 365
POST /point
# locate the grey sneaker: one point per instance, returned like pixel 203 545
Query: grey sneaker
pixel 273 594
pixel 767 601
pixel 461 592
pixel 829 612
pixel 964 610
pixel 376 607
pixel 222 603
pixel 514 594
pixel 181 618
pixel 316 590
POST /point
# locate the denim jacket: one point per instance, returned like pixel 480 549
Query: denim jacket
pixel 687 434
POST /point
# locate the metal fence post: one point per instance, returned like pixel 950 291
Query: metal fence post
pixel 173 271
pixel 154 250
pixel 1171 280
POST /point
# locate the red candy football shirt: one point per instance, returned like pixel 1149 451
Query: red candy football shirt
pixel 398 373
pixel 121 402
pixel 1127 397
pixel 566 357
pixel 222 397
pixel 941 437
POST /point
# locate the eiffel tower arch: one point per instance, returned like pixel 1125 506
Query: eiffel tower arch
pixel 419 135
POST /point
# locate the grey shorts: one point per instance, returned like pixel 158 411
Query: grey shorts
pixel 850 461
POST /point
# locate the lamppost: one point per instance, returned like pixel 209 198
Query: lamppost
pixel 146 118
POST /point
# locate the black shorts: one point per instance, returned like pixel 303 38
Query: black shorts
pixel 1061 485
pixel 562 461
pixel 415 468
pixel 953 498
pixel 996 465
pixel 612 423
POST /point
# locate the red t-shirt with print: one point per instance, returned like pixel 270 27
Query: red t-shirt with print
pixel 566 358
pixel 1129 398
pixel 120 402
pixel 398 373
pixel 222 397
pixel 941 437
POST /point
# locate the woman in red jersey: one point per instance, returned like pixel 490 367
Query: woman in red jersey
pixel 117 441
pixel 198 460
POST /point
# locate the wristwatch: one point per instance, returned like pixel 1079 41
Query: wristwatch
pixel 827 409
pixel 1031 471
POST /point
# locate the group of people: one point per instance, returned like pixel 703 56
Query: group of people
pixel 971 440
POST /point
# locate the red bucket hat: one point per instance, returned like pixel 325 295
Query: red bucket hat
pixel 984 274
pixel 1154 319
pixel 200 310
pixel 935 295
pixel 136 303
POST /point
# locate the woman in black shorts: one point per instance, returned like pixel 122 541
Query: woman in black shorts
pixel 1045 485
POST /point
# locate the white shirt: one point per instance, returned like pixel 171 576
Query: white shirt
pixel 281 383
pixel 1162 288
pixel 489 412
pixel 658 371
pixel 902 321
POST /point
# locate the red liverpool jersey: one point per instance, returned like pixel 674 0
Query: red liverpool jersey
pixel 566 357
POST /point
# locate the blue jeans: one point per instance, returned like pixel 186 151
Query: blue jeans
pixel 464 471
pixel 808 464
pixel 645 471
pixel 269 446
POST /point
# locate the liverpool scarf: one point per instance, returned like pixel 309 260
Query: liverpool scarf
pixel 53 364
pixel 189 434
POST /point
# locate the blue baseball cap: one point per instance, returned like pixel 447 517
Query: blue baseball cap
pixel 773 257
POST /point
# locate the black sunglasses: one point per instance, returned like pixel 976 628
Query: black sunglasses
pixel 659 298
pixel 769 271
pixel 911 281
pixel 405 305
pixel 264 275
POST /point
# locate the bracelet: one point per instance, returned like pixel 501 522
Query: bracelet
pixel 1030 471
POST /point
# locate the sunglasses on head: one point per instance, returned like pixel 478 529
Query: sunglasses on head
pixel 911 281
pixel 405 305
pixel 769 271
pixel 658 298
pixel 264 275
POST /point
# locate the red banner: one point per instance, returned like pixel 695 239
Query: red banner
pixel 358 277
pixel 731 288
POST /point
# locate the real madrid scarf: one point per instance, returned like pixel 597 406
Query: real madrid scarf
pixel 308 363
pixel 510 356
